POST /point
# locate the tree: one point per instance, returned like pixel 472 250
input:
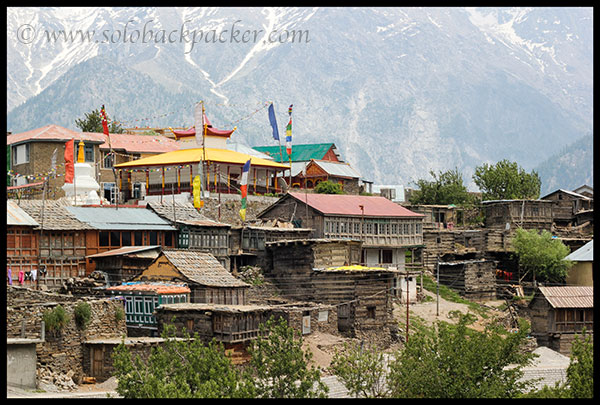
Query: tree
pixel 541 254
pixel 446 188
pixel 506 181
pixel 278 366
pixel 180 368
pixel 362 371
pixel 580 373
pixel 93 123
pixel 452 361
pixel 329 187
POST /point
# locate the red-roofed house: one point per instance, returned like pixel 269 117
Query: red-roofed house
pixel 387 230
pixel 31 156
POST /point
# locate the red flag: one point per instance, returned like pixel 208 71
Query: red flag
pixel 104 121
pixel 69 164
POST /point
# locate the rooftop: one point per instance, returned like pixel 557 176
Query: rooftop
pixel 569 296
pixel 158 288
pixel 300 152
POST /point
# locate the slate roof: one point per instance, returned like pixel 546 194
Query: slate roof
pixel 202 268
pixel 185 213
pixel 56 215
pixel 123 218
pixel 583 254
pixel 15 215
pixel 346 204
pixel 300 153
pixel 569 296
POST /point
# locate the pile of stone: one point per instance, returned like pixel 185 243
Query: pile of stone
pixel 51 381
pixel 83 286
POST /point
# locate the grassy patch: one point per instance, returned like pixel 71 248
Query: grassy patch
pixel 450 295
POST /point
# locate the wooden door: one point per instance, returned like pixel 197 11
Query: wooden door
pixel 97 361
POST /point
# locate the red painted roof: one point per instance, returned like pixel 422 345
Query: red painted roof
pixel 127 142
pixel 350 205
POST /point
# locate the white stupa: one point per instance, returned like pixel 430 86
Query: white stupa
pixel 84 189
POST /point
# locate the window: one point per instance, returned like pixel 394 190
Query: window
pixel 126 238
pixel 115 239
pixel 108 160
pixel 371 312
pixel 153 238
pixel 103 238
pixel 88 152
pixel 168 239
pixel 386 256
pixel 137 238
pixel 20 154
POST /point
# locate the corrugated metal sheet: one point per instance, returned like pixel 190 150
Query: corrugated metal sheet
pixel 110 218
pixel 129 250
pixel 337 169
pixel 16 216
pixel 583 254
pixel 347 204
pixel 569 296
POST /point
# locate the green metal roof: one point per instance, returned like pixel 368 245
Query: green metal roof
pixel 300 153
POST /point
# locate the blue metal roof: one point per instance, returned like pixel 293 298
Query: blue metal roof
pixel 110 218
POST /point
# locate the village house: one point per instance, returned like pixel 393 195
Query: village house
pixel 32 152
pixel 559 313
pixel 141 300
pixel 68 234
pixel 208 280
pixel 22 245
pixel 124 264
pixel 582 271
pixel 585 190
pixel 570 207
pixel 195 231
pixel 473 279
pixel 388 231
pixel 174 172
pixel 236 326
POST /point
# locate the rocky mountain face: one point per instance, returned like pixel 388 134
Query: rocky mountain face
pixel 400 91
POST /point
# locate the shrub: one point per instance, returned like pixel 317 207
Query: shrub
pixel 83 314
pixel 55 319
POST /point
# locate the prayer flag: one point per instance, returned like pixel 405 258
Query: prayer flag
pixel 273 122
pixel 196 191
pixel 288 134
pixel 244 189
pixel 104 120
pixel 69 164
pixel 199 125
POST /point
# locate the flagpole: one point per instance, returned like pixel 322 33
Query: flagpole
pixel 204 168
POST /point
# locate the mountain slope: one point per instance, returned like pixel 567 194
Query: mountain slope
pixel 400 91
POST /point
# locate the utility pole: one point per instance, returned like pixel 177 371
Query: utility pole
pixel 407 303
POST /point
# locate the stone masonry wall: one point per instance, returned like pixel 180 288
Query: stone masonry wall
pixel 62 352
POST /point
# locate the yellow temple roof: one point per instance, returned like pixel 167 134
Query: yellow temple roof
pixel 187 156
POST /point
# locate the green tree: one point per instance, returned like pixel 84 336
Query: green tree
pixel 580 374
pixel 362 371
pixel 93 123
pixel 446 188
pixel 279 368
pixel 453 361
pixel 541 254
pixel 506 181
pixel 179 368
pixel 329 187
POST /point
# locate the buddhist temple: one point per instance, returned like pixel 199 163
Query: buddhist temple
pixel 174 172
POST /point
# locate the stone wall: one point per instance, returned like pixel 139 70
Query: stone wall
pixel 62 352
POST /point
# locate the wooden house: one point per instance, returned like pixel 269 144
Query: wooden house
pixel 567 204
pixel 124 264
pixel 582 271
pixel 527 214
pixel 559 313
pixel 473 279
pixel 387 230
pixel 248 243
pixel 22 245
pixel 342 173
pixel 439 216
pixel 195 231
pixel 68 234
pixel 141 300
pixel 585 190
pixel 208 280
